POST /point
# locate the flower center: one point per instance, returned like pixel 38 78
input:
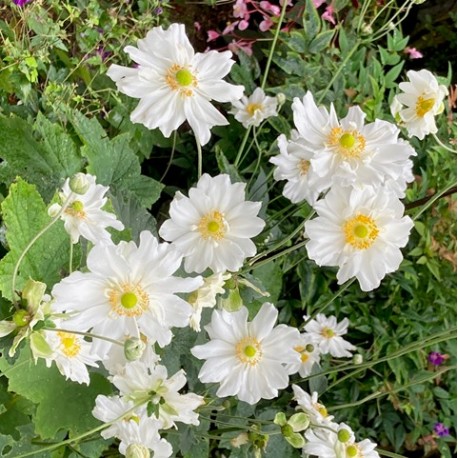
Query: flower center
pixel 303 352
pixel 348 144
pixel 343 435
pixel 252 108
pixel 212 226
pixel 321 409
pixel 181 79
pixel 360 231
pixel 76 209
pixel 248 350
pixel 328 333
pixel 303 167
pixel 69 344
pixel 127 299
pixel 423 106
pixel 352 451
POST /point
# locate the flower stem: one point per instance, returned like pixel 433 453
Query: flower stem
pixel 199 159
pixel 433 199
pixel 70 262
pixel 86 334
pixel 242 147
pixel 451 150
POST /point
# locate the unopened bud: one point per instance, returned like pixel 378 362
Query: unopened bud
pixel 357 359
pixel 299 421
pixel 233 302
pixel 133 348
pixel 309 348
pixel 79 183
pixel 281 98
pixel 137 451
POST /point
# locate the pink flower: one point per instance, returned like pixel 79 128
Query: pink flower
pixel 197 25
pixel 413 53
pixel 318 3
pixel 328 15
pixel 245 46
pixel 241 10
pixel 265 25
pixel 212 35
pixel 243 25
pixel 230 27
pixel 267 6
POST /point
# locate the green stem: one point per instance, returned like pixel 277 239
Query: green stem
pixel 363 13
pixel 199 159
pixel 86 334
pixel 242 147
pixel 390 454
pixel 174 143
pixel 433 199
pixel 70 262
pixel 32 242
pixel 443 144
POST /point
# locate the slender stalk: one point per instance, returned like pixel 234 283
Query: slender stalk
pixel 70 262
pixel 32 242
pixel 242 147
pixel 86 334
pixel 199 159
pixel 443 144
pixel 390 454
pixel 433 199
pixel 171 156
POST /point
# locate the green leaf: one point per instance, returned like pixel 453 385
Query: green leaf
pixel 61 404
pixel 392 75
pixel 311 22
pixel 321 41
pixel 24 215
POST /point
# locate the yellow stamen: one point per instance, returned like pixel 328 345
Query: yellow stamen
pixel 303 166
pixel 348 144
pixel 423 106
pixel 248 351
pixel 303 352
pixel 321 409
pixel 69 344
pixel 327 333
pixel 76 209
pixel 360 231
pixel 252 108
pixel 127 299
pixel 212 226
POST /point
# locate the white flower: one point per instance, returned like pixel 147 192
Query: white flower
pixel 348 152
pixel 423 99
pixel 361 231
pixel 326 333
pixel 83 215
pixel 293 165
pixel 141 380
pixel 247 359
pixel 310 405
pixel 130 425
pixel 213 226
pixel 128 290
pixel 309 353
pixel 337 442
pixel 205 297
pixel 71 353
pixel 251 111
pixel 175 84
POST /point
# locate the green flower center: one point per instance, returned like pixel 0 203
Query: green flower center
pixel 212 226
pixel 21 318
pixel 361 231
pixel 352 451
pixel 343 435
pixel 129 300
pixel 77 205
pixel 328 333
pixel 249 351
pixel 347 140
pixel 184 77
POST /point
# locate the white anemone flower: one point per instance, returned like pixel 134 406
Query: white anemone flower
pixel 293 165
pixel 127 290
pixel 327 335
pixel 83 215
pixel 130 425
pixel 247 359
pixel 361 231
pixel 213 226
pixel 142 381
pixel 337 441
pixel 175 84
pixel 309 404
pixel 252 110
pixel 71 353
pixel 421 100
pixel 309 353
pixel 349 152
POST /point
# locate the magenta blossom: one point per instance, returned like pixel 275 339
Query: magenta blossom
pixel 21 3
pixel 441 430
pixel 436 358
pixel 413 53
pixel 267 6
pixel 242 45
pixel 212 35
pixel 328 15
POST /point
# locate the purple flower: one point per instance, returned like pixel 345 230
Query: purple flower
pixel 441 430
pixel 21 3
pixel 436 358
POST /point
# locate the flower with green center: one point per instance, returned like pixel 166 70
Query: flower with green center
pixel 248 360
pixel 252 110
pixel 127 290
pixel 175 84
pixel 309 354
pixel 360 231
pixel 213 226
pixel 83 215
pixel 421 100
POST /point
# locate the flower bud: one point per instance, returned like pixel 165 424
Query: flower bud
pixel 79 183
pixel 357 359
pixel 281 98
pixel 21 318
pixel 299 421
pixel 137 451
pixel 134 348
pixel 233 302
pixel 53 210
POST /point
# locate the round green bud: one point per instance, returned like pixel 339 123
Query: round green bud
pixel 133 348
pixel 357 359
pixel 21 318
pixel 309 348
pixel 343 435
pixel 79 183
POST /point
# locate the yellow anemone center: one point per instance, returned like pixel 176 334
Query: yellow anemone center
pixel 352 451
pixel 328 333
pixel 303 166
pixel 303 352
pixel 69 344
pixel 248 351
pixel 212 226
pixel 252 108
pixel 127 299
pixel 321 409
pixel 423 106
pixel 360 231
pixel 181 79
pixel 76 209
pixel 348 144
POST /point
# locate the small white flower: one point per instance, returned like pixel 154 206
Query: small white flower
pixel 127 290
pixel 140 380
pixel 213 226
pixel 310 405
pixel 252 110
pixel 83 215
pixel 422 100
pixel 175 84
pixel 361 231
pixel 71 353
pixel 309 353
pixel 247 359
pixel 349 152
pixel 326 333
pixel 205 297
pixel 293 165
